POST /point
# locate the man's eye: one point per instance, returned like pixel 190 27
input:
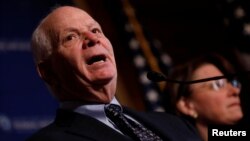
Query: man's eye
pixel 96 30
pixel 70 37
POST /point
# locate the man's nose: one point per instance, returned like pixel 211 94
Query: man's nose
pixel 90 39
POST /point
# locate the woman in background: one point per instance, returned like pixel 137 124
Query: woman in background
pixel 214 102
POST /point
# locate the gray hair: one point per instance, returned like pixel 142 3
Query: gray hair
pixel 43 40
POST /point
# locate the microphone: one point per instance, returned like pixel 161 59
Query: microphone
pixel 158 77
pixel 155 76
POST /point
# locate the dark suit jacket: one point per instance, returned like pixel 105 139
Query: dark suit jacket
pixel 71 126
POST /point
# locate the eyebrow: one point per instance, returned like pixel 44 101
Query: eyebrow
pixel 228 76
pixel 206 79
pixel 209 78
pixel 71 29
pixel 95 24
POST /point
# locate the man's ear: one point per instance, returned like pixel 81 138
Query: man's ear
pixel 44 70
pixel 186 107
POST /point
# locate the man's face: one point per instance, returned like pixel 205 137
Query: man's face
pixel 83 61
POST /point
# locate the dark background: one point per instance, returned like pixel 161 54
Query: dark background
pixel 183 29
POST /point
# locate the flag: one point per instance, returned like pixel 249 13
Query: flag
pixel 146 52
pixel 236 14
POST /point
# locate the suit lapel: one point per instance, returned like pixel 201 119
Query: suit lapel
pixel 153 124
pixel 87 127
pixel 167 126
pixel 150 120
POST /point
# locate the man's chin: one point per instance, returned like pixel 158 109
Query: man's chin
pixel 103 80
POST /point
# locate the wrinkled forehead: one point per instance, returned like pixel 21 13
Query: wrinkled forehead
pixel 68 16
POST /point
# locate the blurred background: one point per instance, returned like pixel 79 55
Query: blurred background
pixel 146 35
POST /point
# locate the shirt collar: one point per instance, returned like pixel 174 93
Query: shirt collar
pixel 94 110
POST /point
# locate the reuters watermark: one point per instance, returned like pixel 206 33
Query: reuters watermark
pixel 217 132
pixel 228 132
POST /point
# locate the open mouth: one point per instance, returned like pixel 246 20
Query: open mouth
pixel 95 59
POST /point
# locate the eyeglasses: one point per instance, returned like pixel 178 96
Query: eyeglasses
pixel 219 84
pixel 213 83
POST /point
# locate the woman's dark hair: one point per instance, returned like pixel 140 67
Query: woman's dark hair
pixel 184 72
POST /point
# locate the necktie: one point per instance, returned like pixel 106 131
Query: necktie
pixel 127 126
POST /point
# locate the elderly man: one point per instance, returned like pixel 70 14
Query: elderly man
pixel 77 62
